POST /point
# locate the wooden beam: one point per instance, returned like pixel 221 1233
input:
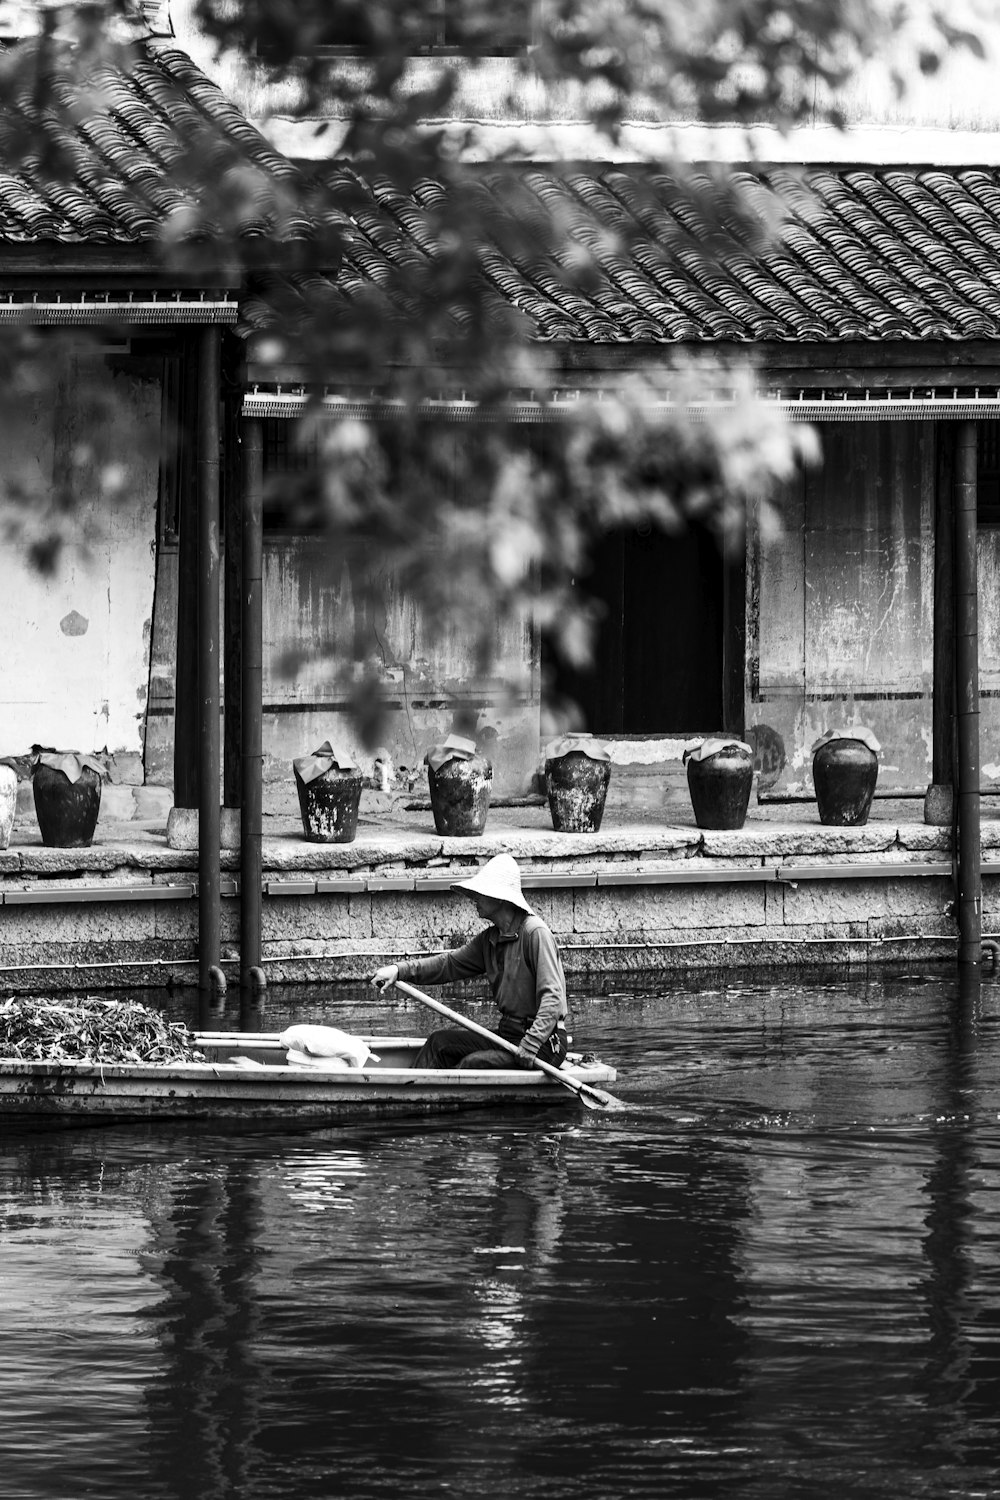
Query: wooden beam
pixel 846 366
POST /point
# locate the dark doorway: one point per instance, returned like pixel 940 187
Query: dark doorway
pixel 666 642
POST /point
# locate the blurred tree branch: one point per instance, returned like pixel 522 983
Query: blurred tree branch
pixel 496 521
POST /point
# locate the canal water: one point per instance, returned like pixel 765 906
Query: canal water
pixel 775 1274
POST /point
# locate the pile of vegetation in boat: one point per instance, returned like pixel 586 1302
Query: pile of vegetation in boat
pixel 89 1029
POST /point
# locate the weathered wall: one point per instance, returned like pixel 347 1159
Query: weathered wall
pixel 76 645
pixel 988 557
pixel 840 607
pixel 315 631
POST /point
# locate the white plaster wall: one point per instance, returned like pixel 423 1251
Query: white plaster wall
pixel 76 645
pixel 951 116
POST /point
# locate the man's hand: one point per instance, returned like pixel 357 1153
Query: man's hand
pixel 388 974
pixel 525 1058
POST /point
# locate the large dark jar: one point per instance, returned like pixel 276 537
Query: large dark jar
pixel 845 770
pixel 577 777
pixel 67 791
pixel 460 781
pixel 329 790
pixel 720 777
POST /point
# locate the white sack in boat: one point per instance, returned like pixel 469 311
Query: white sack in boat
pixel 297 1059
pixel 321 1043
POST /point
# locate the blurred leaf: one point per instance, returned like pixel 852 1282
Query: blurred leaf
pixel 491 521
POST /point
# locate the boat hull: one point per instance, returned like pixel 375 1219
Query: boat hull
pixel 247 1084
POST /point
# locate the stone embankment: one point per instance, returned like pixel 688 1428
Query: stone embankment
pixel 638 897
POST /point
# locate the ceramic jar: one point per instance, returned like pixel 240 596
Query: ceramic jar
pixel 720 777
pixel 66 787
pixel 329 790
pixel 577 777
pixel 845 770
pixel 8 803
pixel 460 781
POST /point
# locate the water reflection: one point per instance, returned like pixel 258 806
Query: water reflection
pixel 947 1247
pixel 202 1408
pixel 775 1275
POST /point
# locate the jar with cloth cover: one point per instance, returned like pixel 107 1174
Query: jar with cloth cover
pixel 329 788
pixel 66 787
pixel 719 777
pixel 461 783
pixel 577 777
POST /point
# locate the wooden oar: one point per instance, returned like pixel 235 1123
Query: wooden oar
pixel 585 1092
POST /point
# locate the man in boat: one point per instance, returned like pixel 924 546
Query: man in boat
pixel 518 956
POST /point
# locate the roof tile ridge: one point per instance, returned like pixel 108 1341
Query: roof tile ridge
pixel 820 236
pixel 576 183
pixel 912 265
pixel 180 69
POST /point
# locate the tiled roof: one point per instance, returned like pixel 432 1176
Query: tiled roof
pixel 864 254
pixel 112 145
pixel 609 255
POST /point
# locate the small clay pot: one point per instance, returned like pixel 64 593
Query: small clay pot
pixel 66 810
pixel 720 787
pixel 844 774
pixel 577 787
pixel 329 805
pixel 460 795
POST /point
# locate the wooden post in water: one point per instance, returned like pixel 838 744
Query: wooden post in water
pixel 232 596
pixel 209 882
pixel 251 629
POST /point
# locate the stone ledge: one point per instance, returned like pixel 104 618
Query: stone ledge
pixel 402 847
pixel 126 882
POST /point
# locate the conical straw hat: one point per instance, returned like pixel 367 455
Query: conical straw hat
pixel 499 879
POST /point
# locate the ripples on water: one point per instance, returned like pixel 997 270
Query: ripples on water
pixel 775 1275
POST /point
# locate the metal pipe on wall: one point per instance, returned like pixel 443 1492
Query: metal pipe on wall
pixel 252 679
pixel 209 878
pixel 970 906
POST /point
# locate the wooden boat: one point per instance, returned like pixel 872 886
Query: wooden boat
pixel 246 1081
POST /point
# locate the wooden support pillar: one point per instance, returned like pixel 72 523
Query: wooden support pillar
pixel 939 804
pixel 232 607
pixel 183 414
pixel 209 881
pixel 970 926
pixel 251 864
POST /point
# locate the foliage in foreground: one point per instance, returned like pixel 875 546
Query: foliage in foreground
pixel 490 529
pixel 89 1029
